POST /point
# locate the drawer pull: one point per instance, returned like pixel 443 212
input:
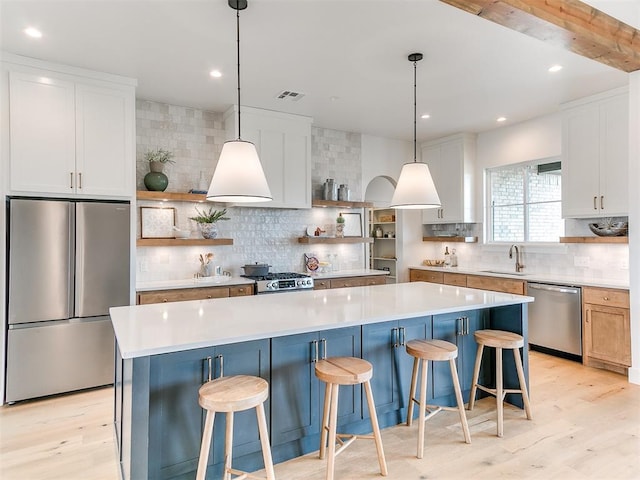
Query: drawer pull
pixel 595 205
pixel 208 296
pixel 164 300
pixel 606 299
pixel 70 179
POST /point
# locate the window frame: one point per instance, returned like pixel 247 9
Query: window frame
pixel 526 197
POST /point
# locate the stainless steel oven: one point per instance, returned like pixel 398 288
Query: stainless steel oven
pixel 281 282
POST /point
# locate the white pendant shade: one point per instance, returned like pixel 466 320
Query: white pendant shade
pixel 238 176
pixel 415 188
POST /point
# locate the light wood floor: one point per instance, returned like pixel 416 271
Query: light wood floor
pixel 586 425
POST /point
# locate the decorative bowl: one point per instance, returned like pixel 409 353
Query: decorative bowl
pixel 614 229
pixel 433 263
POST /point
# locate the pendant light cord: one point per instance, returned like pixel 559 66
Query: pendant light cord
pixel 238 50
pixel 415 114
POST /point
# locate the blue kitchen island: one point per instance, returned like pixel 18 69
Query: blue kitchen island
pixel 165 352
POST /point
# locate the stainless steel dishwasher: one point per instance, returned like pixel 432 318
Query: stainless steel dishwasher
pixel 555 319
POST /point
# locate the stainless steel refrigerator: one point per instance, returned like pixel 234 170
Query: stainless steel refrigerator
pixel 68 263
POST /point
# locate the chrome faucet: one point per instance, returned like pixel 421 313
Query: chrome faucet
pixel 519 265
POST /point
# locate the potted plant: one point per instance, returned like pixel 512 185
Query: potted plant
pixel 156 180
pixel 340 226
pixel 207 219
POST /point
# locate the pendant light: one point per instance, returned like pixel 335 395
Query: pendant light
pixel 415 188
pixel 239 177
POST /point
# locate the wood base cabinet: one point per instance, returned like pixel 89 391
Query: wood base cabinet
pixel 295 417
pixel 177 419
pixel 383 344
pixel 606 329
pixel 349 282
pixel 200 293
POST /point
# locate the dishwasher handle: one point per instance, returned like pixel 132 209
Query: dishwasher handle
pixel 553 288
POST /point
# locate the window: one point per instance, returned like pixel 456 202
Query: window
pixel 525 202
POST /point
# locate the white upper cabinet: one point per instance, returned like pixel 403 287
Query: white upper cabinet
pixel 283 142
pixel 451 161
pixel 70 135
pixel 595 157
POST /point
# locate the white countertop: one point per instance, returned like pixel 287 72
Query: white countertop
pixel 357 272
pixel 222 280
pixel 214 281
pixel 535 277
pixel 143 330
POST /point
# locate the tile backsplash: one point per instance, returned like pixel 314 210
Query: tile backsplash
pixel 263 235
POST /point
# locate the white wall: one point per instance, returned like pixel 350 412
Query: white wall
pixel 530 140
pixel 4 188
pixel 634 221
pixel 385 157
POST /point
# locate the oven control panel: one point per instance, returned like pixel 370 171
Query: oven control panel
pixel 285 285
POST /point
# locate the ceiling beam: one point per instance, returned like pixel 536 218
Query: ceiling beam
pixel 569 24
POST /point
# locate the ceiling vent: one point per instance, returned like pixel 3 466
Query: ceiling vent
pixel 289 95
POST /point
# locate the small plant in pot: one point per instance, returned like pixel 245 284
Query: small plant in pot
pixel 207 219
pixel 156 180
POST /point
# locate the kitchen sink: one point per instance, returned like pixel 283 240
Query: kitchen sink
pixel 504 272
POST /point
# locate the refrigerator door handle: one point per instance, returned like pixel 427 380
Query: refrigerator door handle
pixel 71 271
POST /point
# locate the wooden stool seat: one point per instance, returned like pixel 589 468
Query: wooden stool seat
pixel 500 340
pixel 336 371
pixel 228 395
pixel 233 394
pixel 423 352
pixel 344 370
pixel 434 350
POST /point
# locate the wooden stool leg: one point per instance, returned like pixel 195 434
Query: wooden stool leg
pixel 523 383
pixel 228 446
pixel 412 391
pixel 422 406
pixel 325 420
pixel 333 420
pixel 476 375
pixel 376 428
pixel 499 392
pixel 206 445
pixel 264 442
pixel 456 387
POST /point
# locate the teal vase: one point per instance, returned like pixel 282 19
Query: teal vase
pixel 156 181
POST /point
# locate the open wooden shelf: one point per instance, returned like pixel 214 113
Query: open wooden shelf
pixel 594 239
pixel 309 240
pixel 171 196
pixel 451 239
pixel 177 242
pixel 333 203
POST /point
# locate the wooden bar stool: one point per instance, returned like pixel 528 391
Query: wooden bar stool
pixel 424 351
pixel 336 371
pixel 500 340
pixel 233 394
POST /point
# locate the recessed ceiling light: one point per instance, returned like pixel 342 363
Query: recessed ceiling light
pixel 215 73
pixel 33 32
pixel 501 119
pixel 425 116
pixel 555 68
